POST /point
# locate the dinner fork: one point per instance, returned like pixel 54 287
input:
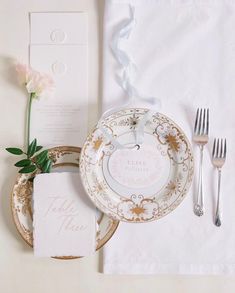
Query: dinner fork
pixel 218 159
pixel 200 137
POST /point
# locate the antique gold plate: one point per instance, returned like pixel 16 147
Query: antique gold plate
pixel 64 158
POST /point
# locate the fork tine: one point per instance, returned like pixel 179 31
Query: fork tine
pixel 217 148
pixel 221 148
pixel 214 147
pixel 207 121
pixel 225 148
pixel 200 123
pixel 196 122
pixel 204 122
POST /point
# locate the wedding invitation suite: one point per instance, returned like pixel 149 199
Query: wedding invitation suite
pixel 59 47
pixel 64 219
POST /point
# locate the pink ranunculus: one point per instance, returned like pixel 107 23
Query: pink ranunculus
pixel 47 85
pixel 35 82
pixel 24 73
pixel 40 84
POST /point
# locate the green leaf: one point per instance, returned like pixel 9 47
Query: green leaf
pixel 23 163
pixel 28 169
pixel 15 151
pixel 41 157
pixel 32 148
pixel 47 166
pixel 38 148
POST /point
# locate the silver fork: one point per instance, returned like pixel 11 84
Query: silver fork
pixel 218 160
pixel 200 137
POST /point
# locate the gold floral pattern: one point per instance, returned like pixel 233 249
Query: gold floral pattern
pixel 97 143
pixel 173 187
pixel 28 235
pixel 137 209
pixel 23 193
pixel 177 145
pixel 131 121
pixel 57 152
pixel 172 142
pixel 99 187
pixel 94 143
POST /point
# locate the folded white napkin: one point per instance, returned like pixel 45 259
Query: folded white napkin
pixel 185 55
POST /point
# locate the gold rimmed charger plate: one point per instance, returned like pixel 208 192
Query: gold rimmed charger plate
pixel 64 158
pixel 140 184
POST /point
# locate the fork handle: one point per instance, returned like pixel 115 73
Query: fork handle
pixel 200 200
pixel 218 214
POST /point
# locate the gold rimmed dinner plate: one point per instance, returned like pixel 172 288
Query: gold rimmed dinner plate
pixel 136 184
pixel 64 159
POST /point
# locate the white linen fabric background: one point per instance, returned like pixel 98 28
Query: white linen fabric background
pixel 185 55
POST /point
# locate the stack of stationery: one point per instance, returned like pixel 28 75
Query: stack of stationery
pixel 58 46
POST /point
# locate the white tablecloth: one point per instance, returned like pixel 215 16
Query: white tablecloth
pixel 185 55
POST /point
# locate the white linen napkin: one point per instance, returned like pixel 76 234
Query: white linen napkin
pixel 185 55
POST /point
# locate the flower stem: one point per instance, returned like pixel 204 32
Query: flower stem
pixel 29 117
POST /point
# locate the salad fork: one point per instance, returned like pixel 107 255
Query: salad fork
pixel 200 137
pixel 218 160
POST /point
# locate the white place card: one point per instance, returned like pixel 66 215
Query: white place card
pixel 62 120
pixel 138 168
pixel 64 219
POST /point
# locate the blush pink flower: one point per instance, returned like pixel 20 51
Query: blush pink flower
pixel 37 84
pixel 24 73
pixel 40 84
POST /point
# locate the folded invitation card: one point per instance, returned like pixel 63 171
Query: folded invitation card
pixel 64 219
pixel 59 47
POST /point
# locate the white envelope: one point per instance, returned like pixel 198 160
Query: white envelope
pixel 58 28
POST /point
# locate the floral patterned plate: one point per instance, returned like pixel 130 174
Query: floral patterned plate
pixel 64 159
pixel 138 184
